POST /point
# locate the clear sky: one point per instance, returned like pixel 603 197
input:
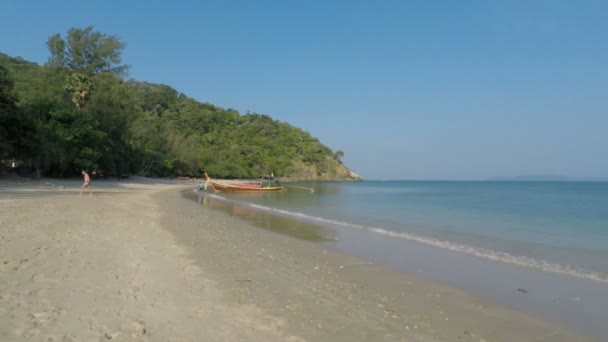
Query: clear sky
pixel 407 89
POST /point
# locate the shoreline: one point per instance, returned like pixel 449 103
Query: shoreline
pixel 135 257
pixel 575 302
pixel 375 284
pixel 333 225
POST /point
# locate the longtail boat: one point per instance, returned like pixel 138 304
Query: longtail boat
pixel 241 187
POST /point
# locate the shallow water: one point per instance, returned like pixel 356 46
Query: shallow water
pixel 555 226
pixel 549 239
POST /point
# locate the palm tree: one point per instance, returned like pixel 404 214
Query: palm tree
pixel 79 86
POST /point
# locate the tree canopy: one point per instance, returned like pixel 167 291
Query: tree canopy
pixel 9 116
pixel 77 112
pixel 87 51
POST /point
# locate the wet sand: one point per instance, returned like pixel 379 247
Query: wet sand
pixel 138 261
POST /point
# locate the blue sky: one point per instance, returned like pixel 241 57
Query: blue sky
pixel 407 89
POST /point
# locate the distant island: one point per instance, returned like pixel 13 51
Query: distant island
pixel 545 178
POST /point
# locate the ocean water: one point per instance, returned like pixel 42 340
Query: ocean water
pixel 558 227
pixel 537 247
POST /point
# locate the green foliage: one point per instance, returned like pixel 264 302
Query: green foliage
pixel 114 107
pixel 76 113
pixel 72 141
pixel 154 98
pixel 87 51
pixel 34 83
pixel 79 87
pixel 9 116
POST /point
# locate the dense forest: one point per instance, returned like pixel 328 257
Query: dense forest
pixel 78 111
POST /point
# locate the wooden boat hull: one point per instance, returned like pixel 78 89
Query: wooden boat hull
pixel 247 185
pixel 243 188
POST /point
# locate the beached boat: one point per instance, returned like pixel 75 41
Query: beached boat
pixel 241 187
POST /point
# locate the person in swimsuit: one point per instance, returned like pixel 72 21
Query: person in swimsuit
pixel 87 183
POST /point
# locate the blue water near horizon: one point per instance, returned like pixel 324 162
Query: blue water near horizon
pixel 560 227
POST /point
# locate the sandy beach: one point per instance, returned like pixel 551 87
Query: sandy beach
pixel 140 262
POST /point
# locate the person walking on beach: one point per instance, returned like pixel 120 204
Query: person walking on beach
pixel 87 183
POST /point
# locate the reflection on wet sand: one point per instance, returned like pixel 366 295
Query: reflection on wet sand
pixel 279 224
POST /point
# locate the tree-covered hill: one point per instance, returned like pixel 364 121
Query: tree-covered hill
pixel 78 112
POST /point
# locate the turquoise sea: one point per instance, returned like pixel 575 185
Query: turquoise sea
pixel 554 226
pixel 547 239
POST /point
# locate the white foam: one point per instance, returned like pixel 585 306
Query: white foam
pixel 499 256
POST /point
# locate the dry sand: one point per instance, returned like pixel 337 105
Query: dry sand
pixel 138 261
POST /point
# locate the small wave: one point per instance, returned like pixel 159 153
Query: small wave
pixel 498 256
pixel 456 247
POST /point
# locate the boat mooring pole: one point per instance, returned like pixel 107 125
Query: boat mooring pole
pixel 301 187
